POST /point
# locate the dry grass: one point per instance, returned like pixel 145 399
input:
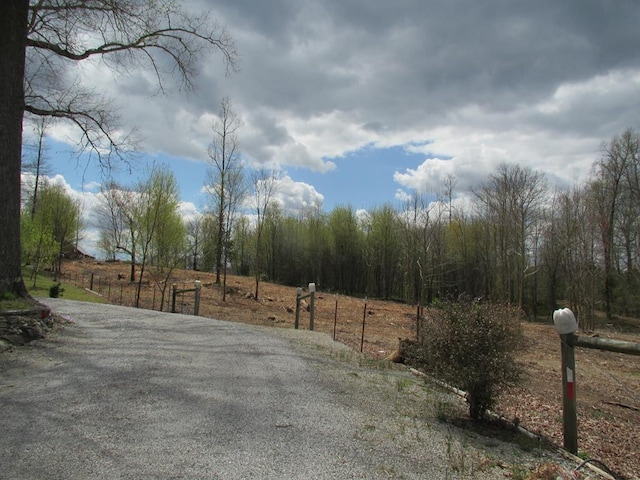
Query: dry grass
pixel 608 384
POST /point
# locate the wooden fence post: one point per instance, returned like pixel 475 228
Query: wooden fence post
pixel 566 325
pixel 569 409
pixel 196 302
pixel 299 297
pixel 173 298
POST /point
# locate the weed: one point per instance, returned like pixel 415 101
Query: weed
pixel 519 472
pixel 446 411
pixel 403 383
pixel 526 443
pixel 461 461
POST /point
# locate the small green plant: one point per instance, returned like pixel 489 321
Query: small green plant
pixel 472 346
pixel 7 296
pixel 445 411
pixel 519 472
pixel 403 383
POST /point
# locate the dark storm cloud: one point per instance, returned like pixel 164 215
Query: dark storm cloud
pixel 320 78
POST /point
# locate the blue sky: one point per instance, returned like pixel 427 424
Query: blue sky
pixel 362 179
pixel 355 101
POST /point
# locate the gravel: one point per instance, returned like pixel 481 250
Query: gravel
pixel 121 393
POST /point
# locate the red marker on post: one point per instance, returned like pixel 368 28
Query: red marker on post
pixel 571 391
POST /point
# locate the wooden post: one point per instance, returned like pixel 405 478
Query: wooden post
pixel 91 282
pixel 299 296
pixel 610 345
pixel 173 298
pixel 196 303
pixel 569 410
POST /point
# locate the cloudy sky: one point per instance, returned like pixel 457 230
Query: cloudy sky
pixel 362 101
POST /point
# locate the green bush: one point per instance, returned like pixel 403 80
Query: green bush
pixel 55 290
pixel 472 346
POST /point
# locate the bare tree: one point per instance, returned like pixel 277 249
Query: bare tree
pixel 44 40
pixel 118 222
pixel 265 185
pixel 194 228
pixel 511 199
pixel 225 178
pixel 162 231
pixel 36 163
pixel 608 190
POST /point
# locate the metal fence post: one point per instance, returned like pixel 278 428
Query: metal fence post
pixel 298 295
pixel 364 319
pixel 312 293
pixel 196 303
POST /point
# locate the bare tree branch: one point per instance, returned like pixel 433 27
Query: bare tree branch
pixel 155 35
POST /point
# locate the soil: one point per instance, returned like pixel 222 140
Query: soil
pixel 608 384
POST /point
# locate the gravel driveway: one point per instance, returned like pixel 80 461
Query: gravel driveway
pixel 125 393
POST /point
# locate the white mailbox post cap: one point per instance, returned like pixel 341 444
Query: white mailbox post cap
pixel 312 287
pixel 565 321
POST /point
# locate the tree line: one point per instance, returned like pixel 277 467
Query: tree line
pixel 515 241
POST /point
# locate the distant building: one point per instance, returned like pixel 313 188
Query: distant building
pixel 74 253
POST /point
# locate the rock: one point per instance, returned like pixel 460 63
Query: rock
pixel 22 327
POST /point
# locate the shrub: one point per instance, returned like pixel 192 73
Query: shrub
pixel 55 290
pixel 472 346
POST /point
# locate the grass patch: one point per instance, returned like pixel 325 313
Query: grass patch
pixel 69 292
pixel 14 304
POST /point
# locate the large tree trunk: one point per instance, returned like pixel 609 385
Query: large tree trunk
pixel 13 34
